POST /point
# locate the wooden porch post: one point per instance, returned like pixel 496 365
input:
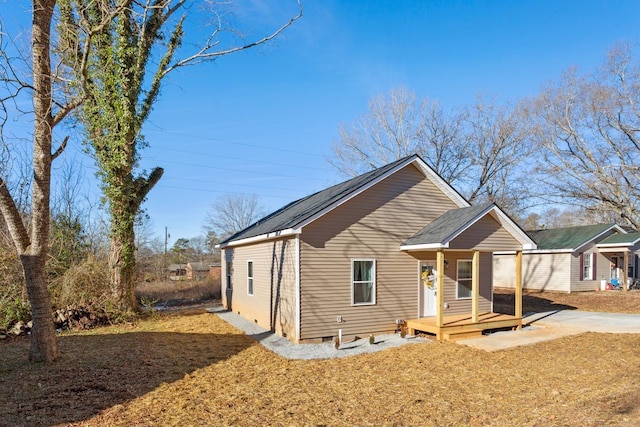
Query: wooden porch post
pixel 475 285
pixel 518 307
pixel 440 288
pixel 625 263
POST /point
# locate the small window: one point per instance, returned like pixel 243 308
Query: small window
pixel 229 270
pixel 250 277
pixel 587 266
pixel 465 279
pixel 363 283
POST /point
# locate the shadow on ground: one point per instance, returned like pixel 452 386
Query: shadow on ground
pixel 97 372
pixel 505 303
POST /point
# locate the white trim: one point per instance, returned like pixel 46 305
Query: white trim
pixel 618 245
pixel 297 286
pixel 268 236
pixel 374 290
pixel 504 221
pixel 426 246
pixel 537 252
pixel 592 259
pixel 442 184
pixel 512 228
pixel 458 297
pixel 593 239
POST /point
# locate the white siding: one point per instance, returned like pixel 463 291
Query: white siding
pixel 543 272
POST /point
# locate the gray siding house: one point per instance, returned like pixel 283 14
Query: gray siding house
pixel 573 259
pixel 367 254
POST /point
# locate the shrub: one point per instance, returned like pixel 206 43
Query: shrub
pixel 14 303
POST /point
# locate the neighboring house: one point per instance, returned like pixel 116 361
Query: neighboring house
pixel 572 259
pixel 392 245
pixel 177 271
pixel 197 270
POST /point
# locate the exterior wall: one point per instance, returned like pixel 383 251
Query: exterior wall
pixel 372 225
pixel 601 266
pixel 485 235
pixel 273 303
pixel 541 272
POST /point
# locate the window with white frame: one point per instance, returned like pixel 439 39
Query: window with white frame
pixel 250 277
pixel 587 266
pixel 363 282
pixel 465 279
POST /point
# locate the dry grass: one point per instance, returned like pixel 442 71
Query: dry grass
pixel 175 292
pixel 606 301
pixel 191 368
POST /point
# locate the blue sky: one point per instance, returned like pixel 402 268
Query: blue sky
pixel 263 121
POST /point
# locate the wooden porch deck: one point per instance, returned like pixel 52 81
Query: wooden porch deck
pixel 461 326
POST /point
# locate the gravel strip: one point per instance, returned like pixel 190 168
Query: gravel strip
pixel 326 350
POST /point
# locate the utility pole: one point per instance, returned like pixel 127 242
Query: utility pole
pixel 164 259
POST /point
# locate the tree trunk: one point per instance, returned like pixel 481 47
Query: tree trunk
pixel 122 262
pixel 44 346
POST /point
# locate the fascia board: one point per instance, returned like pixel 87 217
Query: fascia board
pixel 428 246
pixel 613 227
pixel 262 237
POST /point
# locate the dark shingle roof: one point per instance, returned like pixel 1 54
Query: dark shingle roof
pixel 446 226
pixel 567 237
pixel 297 212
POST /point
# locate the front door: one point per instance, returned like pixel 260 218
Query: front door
pixel 428 288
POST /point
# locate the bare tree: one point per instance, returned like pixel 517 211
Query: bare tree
pixel 398 125
pixel 497 144
pixel 32 240
pixel 232 213
pixel 589 126
pixel 478 150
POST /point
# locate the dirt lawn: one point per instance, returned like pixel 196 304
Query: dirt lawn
pixel 191 368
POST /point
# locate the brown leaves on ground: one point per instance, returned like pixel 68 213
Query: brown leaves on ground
pixel 605 301
pixel 192 368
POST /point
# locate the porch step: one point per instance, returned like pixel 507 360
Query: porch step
pixel 461 335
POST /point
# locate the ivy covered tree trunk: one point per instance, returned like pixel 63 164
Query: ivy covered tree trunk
pixel 132 50
pixel 122 262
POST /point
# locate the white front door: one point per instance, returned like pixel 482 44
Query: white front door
pixel 428 288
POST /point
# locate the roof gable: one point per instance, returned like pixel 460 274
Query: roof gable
pixel 570 238
pixel 451 224
pixel 629 239
pixel 291 218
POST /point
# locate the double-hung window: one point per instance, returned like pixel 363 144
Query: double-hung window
pixel 363 281
pixel 465 279
pixel 587 266
pixel 250 277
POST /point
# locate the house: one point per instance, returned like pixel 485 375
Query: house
pixel 177 272
pixel 397 245
pixel 573 259
pixel 197 270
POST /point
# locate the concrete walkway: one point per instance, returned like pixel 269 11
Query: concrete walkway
pixel 550 325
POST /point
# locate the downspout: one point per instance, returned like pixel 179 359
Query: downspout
pixel 297 290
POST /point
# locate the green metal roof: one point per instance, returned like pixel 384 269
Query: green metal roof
pixel 621 239
pixel 568 237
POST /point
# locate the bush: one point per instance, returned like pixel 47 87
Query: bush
pixel 14 304
pixel 85 284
